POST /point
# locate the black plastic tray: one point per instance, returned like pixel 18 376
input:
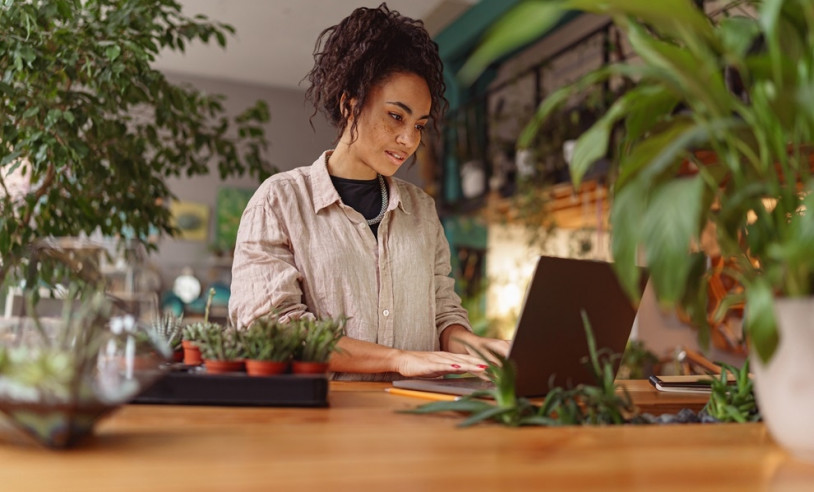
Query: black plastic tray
pixel 199 388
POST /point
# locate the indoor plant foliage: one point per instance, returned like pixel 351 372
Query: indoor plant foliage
pixel 733 402
pixel 581 405
pixel 318 339
pixel 269 345
pixel 731 100
pixel 219 343
pixel 190 336
pixel 169 329
pixel 685 101
pixel 89 131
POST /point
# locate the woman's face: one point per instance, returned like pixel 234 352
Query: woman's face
pixel 390 125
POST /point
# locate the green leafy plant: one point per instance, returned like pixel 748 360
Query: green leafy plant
pixel 580 405
pixel 268 339
pixel 730 100
pixel 733 402
pixel 93 131
pixel 318 338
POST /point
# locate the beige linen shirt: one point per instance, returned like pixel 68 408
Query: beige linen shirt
pixel 303 252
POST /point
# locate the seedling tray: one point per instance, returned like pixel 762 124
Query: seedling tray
pixel 238 389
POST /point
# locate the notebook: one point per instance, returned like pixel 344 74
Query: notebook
pixel 549 340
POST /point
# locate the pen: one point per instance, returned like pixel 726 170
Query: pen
pixel 422 394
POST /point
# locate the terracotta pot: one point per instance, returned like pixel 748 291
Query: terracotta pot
pixel 302 367
pixel 265 367
pixel 145 362
pixel 178 355
pixel 223 366
pixel 192 354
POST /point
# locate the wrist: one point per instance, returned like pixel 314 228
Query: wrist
pixel 455 337
pixel 395 358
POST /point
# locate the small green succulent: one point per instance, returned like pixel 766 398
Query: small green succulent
pixel 730 402
pixel 318 337
pixel 268 339
pixel 169 329
pixel 219 343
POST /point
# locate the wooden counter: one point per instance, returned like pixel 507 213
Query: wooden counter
pixel 361 444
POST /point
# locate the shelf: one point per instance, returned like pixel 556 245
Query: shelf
pixel 569 209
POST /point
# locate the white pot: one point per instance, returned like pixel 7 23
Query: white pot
pixel 784 387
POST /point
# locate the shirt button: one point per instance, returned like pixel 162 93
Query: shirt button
pixel 386 312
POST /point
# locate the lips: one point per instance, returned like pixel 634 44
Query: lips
pixel 396 157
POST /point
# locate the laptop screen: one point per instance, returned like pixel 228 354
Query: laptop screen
pixel 550 345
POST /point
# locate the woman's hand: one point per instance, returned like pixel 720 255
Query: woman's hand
pixel 488 345
pixel 433 364
pixel 458 339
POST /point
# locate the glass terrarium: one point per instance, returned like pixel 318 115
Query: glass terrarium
pixel 58 376
pixel 64 367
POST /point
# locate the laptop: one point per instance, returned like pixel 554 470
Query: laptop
pixel 549 341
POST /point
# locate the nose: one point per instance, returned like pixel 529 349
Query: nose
pixel 409 137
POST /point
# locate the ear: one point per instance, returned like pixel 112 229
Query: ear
pixel 346 105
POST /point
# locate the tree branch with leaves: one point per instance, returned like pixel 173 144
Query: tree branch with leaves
pixel 95 130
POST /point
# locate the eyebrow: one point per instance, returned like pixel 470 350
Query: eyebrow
pixel 407 109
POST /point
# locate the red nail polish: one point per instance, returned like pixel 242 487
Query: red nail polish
pixel 456 366
pixel 482 366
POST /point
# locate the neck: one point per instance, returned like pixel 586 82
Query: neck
pixel 342 165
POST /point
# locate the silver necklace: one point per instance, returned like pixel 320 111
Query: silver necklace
pixel 375 220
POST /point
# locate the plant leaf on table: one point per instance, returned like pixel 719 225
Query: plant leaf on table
pixel 733 402
pixel 581 405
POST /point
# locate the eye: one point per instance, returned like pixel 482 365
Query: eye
pixel 395 116
pixel 420 128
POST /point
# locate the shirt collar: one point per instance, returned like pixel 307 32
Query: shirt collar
pixel 325 194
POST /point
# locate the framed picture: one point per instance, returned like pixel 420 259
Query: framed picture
pixel 192 219
pixel 228 209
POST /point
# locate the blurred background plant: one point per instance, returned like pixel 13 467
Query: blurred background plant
pixel 720 120
pixel 89 135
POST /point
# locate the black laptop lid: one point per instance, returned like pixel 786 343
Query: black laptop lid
pixel 550 339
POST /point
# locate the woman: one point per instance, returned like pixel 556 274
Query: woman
pixel 342 236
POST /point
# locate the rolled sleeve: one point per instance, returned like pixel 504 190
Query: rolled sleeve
pixel 448 309
pixel 265 278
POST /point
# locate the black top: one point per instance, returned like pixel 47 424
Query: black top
pixel 363 195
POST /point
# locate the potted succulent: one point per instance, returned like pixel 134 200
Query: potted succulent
pixel 730 101
pixel 269 346
pixel 318 339
pixel 169 329
pixel 221 349
pixel 192 334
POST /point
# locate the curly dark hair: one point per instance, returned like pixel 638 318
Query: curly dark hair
pixel 363 50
